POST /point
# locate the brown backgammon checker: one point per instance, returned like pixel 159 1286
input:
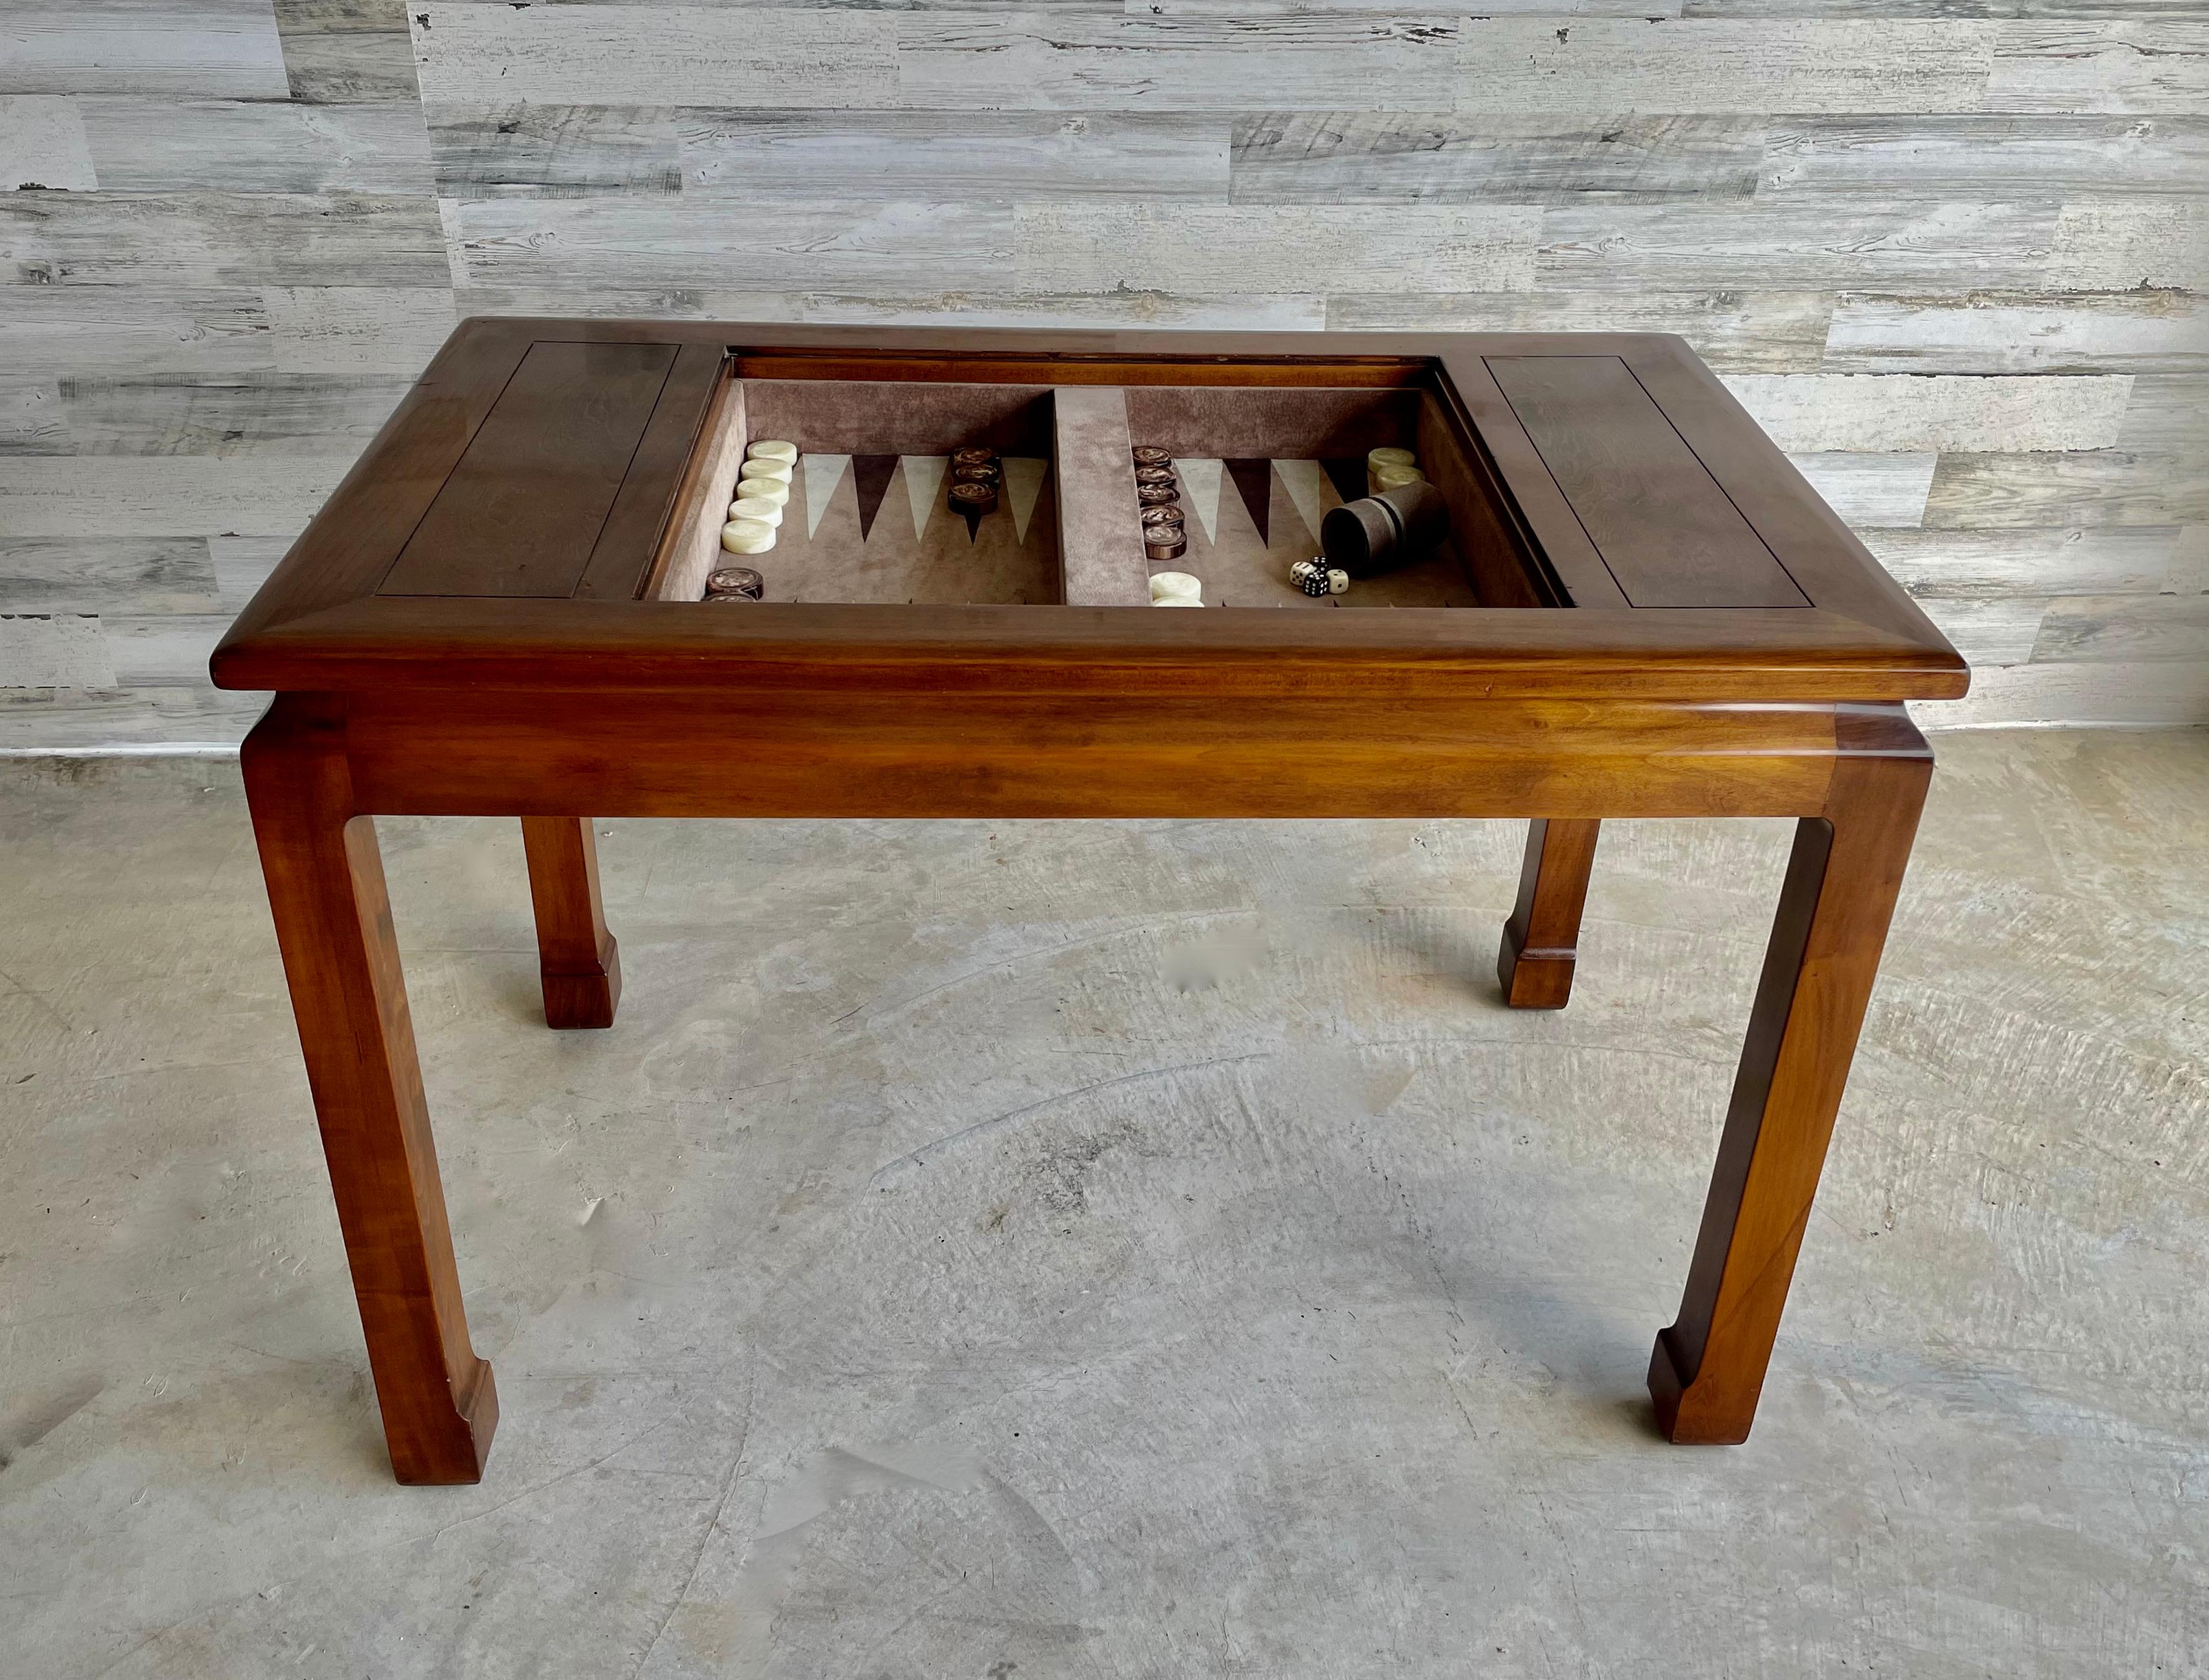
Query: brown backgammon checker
pixel 1154 475
pixel 739 583
pixel 1164 543
pixel 1157 496
pixel 1164 514
pixel 969 496
pixel 1149 454
pixel 969 476
pixel 973 455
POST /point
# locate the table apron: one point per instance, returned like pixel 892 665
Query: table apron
pixel 781 754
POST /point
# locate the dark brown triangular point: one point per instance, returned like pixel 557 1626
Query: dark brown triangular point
pixel 1254 483
pixel 1347 475
pixel 871 474
pixel 973 518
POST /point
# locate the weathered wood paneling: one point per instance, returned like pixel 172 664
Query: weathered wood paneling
pixel 2124 629
pixel 32 419
pixel 202 49
pixel 242 565
pixel 2147 332
pixel 337 51
pixel 2105 560
pixel 1287 312
pixel 213 414
pixel 1998 158
pixel 2114 64
pixel 2100 487
pixel 1872 490
pixel 231 145
pixel 54 650
pixel 745 155
pixel 647 242
pixel 352 329
pixel 2132 245
pixel 1103 246
pixel 157 719
pixel 42 145
pixel 2168 691
pixel 1015 60
pixel 248 228
pixel 166 650
pixel 1254 8
pixel 1337 157
pixel 1987 630
pixel 89 329
pixel 1736 332
pixel 651 55
pixel 553 151
pixel 216 239
pixel 117 495
pixel 1789 245
pixel 1905 411
pixel 1606 64
pixel 141 575
pixel 2169 414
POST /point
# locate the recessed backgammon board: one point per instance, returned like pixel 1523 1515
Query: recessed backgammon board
pixel 877 528
pixel 694 569
pixel 865 516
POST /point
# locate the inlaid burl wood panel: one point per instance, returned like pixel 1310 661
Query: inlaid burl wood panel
pixel 232 232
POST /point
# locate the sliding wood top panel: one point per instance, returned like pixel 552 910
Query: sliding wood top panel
pixel 500 527
pixel 524 505
pixel 1665 531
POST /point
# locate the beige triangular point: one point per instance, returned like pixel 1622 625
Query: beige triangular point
pixel 923 477
pixel 1307 485
pixel 822 474
pixel 1200 482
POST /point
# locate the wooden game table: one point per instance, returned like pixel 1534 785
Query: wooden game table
pixel 1642 611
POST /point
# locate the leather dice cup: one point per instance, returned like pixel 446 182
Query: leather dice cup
pixel 1378 533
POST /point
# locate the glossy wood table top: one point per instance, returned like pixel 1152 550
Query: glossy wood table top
pixel 502 529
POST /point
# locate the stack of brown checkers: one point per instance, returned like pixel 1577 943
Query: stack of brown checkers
pixel 735 583
pixel 1157 488
pixel 976 473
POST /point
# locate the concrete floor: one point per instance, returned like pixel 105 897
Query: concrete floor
pixel 1115 1249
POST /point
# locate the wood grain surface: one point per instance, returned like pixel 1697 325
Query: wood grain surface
pixel 1801 188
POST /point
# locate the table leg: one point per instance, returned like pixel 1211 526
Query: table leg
pixel 1707 1369
pixel 326 890
pixel 1541 938
pixel 577 959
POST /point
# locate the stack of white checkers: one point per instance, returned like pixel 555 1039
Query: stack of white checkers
pixel 1391 469
pixel 763 488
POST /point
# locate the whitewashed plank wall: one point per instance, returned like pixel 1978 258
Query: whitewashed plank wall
pixel 1953 253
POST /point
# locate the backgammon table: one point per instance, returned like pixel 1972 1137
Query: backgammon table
pixel 1641 610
